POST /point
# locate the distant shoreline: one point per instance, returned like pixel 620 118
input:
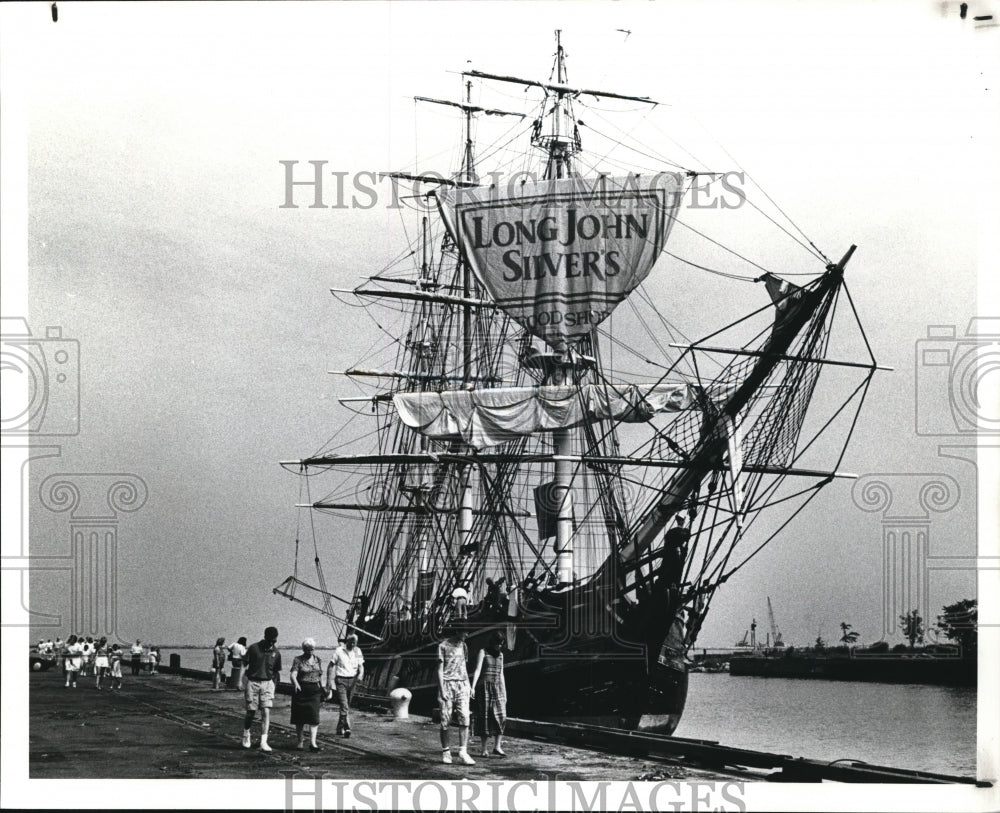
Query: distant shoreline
pixel 211 645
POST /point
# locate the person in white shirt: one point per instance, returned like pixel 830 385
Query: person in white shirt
pixel 347 667
pixel 72 658
pixel 460 600
pixel 136 653
pixel 237 654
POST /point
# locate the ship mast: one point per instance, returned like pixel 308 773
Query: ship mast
pixel 559 152
pixel 467 177
pixel 560 140
pixel 559 147
pixel 465 513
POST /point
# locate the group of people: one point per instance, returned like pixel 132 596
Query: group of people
pixel 262 673
pixel 235 654
pixel 83 656
pixel 456 692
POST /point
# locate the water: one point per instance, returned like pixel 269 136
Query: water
pixel 923 728
pixel 202 658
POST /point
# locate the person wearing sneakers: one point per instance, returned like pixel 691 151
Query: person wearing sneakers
pixel 454 691
pixel 263 667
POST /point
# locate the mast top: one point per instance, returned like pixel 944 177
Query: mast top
pixel 839 267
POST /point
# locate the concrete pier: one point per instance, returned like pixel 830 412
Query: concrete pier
pixel 174 726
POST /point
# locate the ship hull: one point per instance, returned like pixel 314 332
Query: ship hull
pixel 551 673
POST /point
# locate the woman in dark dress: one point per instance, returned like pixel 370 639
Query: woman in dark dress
pixel 306 675
pixel 491 697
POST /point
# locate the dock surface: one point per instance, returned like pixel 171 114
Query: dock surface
pixel 170 726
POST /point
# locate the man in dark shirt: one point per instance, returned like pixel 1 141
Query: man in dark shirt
pixel 263 667
pixel 675 549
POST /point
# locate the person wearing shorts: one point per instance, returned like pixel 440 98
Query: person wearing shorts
pixel 263 668
pixel 454 691
pixel 102 666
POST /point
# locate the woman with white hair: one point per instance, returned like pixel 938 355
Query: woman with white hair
pixel 307 693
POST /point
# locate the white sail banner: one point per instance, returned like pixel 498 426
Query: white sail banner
pixel 558 256
pixel 489 417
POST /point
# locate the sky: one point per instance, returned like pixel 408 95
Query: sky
pixel 157 241
pixel 145 222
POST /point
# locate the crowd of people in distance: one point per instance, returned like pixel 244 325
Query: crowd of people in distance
pixel 86 657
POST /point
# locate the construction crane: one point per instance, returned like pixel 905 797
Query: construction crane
pixel 775 632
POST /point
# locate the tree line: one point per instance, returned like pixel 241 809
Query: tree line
pixel 956 623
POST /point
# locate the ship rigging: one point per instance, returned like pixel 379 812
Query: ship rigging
pixel 547 439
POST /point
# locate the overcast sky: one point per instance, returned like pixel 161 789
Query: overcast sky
pixel 206 330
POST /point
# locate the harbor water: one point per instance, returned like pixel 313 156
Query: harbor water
pixel 913 726
pixel 918 727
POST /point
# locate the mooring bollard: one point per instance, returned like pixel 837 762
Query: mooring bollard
pixel 400 703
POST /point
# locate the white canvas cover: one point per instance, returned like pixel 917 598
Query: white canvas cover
pixel 488 417
pixel 559 255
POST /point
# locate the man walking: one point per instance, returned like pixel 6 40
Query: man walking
pixel 454 692
pixel 263 667
pixel 346 668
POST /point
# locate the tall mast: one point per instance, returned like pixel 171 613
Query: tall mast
pixel 469 172
pixel 558 167
pixel 466 501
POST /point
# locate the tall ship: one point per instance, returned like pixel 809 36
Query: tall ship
pixel 547 455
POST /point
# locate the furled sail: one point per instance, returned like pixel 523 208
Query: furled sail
pixel 559 255
pixel 488 417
